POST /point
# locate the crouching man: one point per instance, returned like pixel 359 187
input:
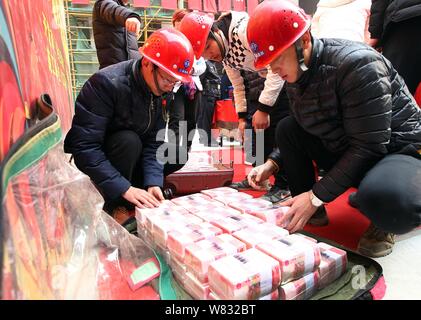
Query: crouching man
pixel 352 114
pixel 119 113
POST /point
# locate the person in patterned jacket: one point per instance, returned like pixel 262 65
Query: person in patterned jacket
pixel 225 41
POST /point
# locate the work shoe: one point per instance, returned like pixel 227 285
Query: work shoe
pixel 376 243
pixel 276 194
pixel 319 218
pixel 242 185
pixel 352 200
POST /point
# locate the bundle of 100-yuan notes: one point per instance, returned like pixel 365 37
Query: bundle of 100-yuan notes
pixel 300 289
pixel 233 223
pixel 250 206
pixel 333 264
pixel 275 215
pixel 200 255
pixel 296 256
pixel 145 216
pixel 196 197
pixel 178 269
pixel 271 296
pixel 197 289
pixel 247 275
pixel 216 213
pixel 233 198
pixel 226 250
pixel 199 161
pixel 217 192
pixel 179 239
pixel 260 233
pixel 197 202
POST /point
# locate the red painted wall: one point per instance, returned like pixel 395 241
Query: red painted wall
pixel 33 61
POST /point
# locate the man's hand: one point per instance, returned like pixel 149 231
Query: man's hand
pixel 241 128
pixel 373 42
pixel 140 198
pixel 156 192
pixel 258 176
pixel 260 120
pixel 133 25
pixel 300 212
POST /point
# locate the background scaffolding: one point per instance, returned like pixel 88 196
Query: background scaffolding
pixel 82 51
pixel 83 58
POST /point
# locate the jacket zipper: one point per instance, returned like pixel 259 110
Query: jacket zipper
pixel 150 115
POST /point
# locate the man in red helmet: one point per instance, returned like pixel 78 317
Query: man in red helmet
pixel 352 114
pixel 115 134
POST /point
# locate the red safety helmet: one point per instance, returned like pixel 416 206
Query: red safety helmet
pixel 171 51
pixel 274 26
pixel 196 26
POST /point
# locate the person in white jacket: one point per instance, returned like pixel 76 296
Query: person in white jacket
pixel 344 19
pixel 226 42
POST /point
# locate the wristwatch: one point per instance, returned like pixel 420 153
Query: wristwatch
pixel 314 200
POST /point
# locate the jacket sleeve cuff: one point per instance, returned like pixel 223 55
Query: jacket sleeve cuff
pixel 275 156
pixel 322 193
pixel 275 164
pixel 242 115
pixel 117 189
pixel 134 15
pixel 264 108
pixel 153 181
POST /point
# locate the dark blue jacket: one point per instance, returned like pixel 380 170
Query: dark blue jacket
pixel 115 98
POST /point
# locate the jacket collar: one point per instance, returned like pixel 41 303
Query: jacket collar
pixel 137 76
pixel 316 53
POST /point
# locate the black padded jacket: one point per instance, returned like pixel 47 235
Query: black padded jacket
pixel 385 12
pixel 112 41
pixel 356 103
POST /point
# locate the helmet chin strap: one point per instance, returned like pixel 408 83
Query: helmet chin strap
pixel 155 79
pixel 300 55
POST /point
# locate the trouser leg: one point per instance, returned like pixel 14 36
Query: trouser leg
pixel 280 111
pixel 123 149
pixel 390 194
pixel 298 150
pixel 176 114
pixel 204 118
